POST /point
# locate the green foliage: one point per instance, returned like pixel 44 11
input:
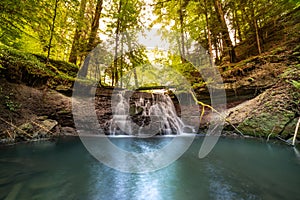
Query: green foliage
pixel 278 50
pixel 296 84
pixel 32 69
pixel 25 25
pixel 297 48
pixel 10 104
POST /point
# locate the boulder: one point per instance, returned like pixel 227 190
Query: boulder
pixel 270 113
pixel 46 126
pixel 69 131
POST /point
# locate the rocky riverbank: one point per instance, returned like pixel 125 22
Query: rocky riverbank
pixel 31 114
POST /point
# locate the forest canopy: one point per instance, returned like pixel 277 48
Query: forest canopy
pixel 70 30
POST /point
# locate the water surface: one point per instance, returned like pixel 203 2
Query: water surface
pixel 235 169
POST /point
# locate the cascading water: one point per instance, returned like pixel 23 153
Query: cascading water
pixel 143 116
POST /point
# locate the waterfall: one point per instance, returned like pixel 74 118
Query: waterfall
pixel 145 115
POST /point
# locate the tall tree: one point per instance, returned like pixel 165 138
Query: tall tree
pixel 255 24
pixel 52 29
pixel 95 26
pixel 79 25
pixel 210 51
pixel 224 30
pixel 92 38
pixel 115 77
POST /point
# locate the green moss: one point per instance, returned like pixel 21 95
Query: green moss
pixel 289 128
pixel 18 66
pixel 297 49
pixel 266 123
pixel 278 50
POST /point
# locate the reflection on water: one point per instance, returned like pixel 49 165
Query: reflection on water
pixel 235 169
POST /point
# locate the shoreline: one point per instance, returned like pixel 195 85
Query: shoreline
pixel 56 138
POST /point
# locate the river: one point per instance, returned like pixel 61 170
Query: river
pixel 235 169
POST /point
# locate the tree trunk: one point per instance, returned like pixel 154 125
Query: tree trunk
pixel 255 26
pixel 237 23
pixel 77 35
pixel 135 79
pixel 257 36
pixel 216 50
pixel 208 33
pixel 182 37
pixel 225 33
pixel 115 67
pixel 121 61
pixel 132 58
pixel 95 26
pixel 52 30
pixel 181 19
pixel 92 37
pixel 84 70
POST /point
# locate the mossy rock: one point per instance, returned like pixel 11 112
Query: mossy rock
pixel 266 123
pixel 289 128
pixel 27 127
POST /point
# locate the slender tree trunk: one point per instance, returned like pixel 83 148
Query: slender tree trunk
pixel 181 19
pixel 208 32
pixel 187 45
pixel 77 35
pixel 235 32
pixel 179 45
pixel 52 30
pixel 215 41
pixel 132 58
pixel 255 26
pixel 100 74
pixel 95 26
pixel 135 78
pixel 121 61
pixel 237 23
pixel 115 67
pixel 225 33
pixel 257 36
pixel 182 38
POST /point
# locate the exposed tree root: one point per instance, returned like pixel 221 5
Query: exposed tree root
pixel 214 110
